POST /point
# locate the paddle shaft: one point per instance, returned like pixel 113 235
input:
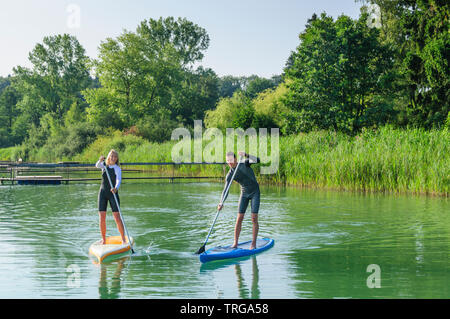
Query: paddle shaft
pixel 118 207
pixel 221 201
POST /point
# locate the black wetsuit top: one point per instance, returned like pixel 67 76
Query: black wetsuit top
pixel 105 195
pixel 105 182
pixel 244 176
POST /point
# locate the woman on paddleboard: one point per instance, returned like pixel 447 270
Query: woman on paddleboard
pixel 249 193
pixel 107 191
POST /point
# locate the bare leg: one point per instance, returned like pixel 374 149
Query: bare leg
pixel 255 229
pixel 119 226
pixel 102 219
pixel 237 229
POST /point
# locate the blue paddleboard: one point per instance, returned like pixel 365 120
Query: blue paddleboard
pixel 242 250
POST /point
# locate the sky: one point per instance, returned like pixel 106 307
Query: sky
pixel 246 36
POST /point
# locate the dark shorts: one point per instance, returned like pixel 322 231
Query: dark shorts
pixel 105 196
pixel 246 198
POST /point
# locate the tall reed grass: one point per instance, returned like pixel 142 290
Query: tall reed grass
pixel 385 160
pixel 388 159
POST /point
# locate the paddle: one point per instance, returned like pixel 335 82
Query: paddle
pixel 118 207
pixel 202 249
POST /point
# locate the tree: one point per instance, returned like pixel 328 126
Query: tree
pixel 229 84
pixel 8 113
pixel 337 74
pixel 251 85
pixel 258 85
pixel 418 30
pixel 8 109
pixel 270 111
pixel 59 72
pixel 235 111
pixel 197 93
pixel 141 72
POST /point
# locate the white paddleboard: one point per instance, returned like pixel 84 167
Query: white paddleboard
pixel 112 248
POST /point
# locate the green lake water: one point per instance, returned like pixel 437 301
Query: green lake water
pixel 327 244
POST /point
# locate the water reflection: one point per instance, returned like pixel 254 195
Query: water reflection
pixel 242 284
pixel 242 287
pixel 325 241
pixel 111 291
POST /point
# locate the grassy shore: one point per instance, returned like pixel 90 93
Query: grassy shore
pixel 386 160
pixel 415 161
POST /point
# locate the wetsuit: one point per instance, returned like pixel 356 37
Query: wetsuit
pixel 105 195
pixel 249 186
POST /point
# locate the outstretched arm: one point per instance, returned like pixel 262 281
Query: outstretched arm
pixel 249 159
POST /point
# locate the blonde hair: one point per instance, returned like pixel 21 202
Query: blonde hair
pixel 108 159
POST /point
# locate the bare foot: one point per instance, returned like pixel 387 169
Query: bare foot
pixel 103 241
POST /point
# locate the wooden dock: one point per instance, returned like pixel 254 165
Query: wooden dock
pixel 35 180
pixel 56 180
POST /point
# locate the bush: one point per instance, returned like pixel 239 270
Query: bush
pixel 105 142
pixel 227 114
pixel 101 111
pixel 243 117
pixel 269 108
pixel 52 142
pixel 8 154
pixel 76 138
pixel 261 120
pixel 157 128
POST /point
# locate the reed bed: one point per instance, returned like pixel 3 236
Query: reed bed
pixel 383 160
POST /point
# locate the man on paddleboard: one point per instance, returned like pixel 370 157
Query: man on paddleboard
pixel 249 193
pixel 106 191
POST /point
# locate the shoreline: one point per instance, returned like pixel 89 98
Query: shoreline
pixel 387 160
pixel 268 181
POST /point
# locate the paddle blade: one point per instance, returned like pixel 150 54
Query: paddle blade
pixel 202 249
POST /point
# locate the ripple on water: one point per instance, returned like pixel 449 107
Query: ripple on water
pixel 323 244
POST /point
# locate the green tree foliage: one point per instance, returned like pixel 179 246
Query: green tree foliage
pixel 270 109
pixel 265 110
pixel 419 31
pixel 51 142
pixel 228 84
pixel 337 75
pixel 44 99
pixel 234 111
pixel 251 85
pixel 388 66
pixel 10 134
pixel 156 128
pixel 258 85
pixel 59 72
pixel 238 109
pixel 196 93
pixel 150 70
